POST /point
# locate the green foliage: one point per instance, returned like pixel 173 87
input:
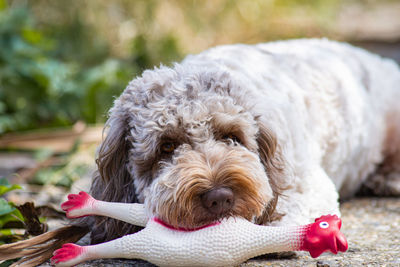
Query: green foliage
pixel 5 186
pixel 11 220
pixel 5 207
pixel 67 168
pixel 9 215
pixel 56 74
pixel 147 53
pixel 38 88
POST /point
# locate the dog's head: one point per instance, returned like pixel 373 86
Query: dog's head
pixel 191 148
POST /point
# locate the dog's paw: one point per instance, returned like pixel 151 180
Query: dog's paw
pixel 69 255
pixel 79 205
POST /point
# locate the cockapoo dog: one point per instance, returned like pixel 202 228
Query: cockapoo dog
pixel 273 133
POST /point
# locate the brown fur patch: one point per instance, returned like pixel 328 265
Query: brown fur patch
pixel 196 172
pixel 113 182
pixel 271 157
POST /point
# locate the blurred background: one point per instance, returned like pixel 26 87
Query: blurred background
pixel 62 64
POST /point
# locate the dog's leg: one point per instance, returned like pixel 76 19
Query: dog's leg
pixel 380 184
pixel 83 204
pixel 386 179
pixel 310 196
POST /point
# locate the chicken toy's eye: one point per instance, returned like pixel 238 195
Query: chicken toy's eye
pixel 324 225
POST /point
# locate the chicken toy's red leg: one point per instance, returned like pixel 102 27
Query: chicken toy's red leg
pixel 79 205
pixel 83 204
pixel 70 254
pixel 129 246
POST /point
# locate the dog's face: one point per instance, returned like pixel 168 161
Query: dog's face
pixel 193 151
pixel 206 146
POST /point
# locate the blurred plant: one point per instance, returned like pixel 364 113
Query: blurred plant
pixel 20 222
pixel 67 168
pixel 62 62
pixel 146 53
pixel 11 220
pixel 38 88
pixel 57 74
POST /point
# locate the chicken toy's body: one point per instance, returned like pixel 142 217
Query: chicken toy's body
pixel 226 243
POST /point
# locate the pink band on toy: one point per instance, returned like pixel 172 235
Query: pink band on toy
pixel 157 220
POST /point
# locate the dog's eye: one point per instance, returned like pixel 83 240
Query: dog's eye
pixel 168 147
pixel 232 137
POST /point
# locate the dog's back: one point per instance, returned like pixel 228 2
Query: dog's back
pixel 337 103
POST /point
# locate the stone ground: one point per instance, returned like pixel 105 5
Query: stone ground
pixel 371 225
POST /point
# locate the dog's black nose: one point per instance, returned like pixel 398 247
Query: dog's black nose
pixel 218 201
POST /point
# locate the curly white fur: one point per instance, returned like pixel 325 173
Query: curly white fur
pixel 326 103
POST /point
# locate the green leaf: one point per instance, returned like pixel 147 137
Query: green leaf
pixel 10 217
pixel 5 186
pixel 5 207
pixel 32 35
pixel 11 232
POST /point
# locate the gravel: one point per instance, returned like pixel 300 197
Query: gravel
pixel 372 228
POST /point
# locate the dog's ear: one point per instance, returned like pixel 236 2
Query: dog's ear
pixel 112 163
pixel 112 181
pixel 271 158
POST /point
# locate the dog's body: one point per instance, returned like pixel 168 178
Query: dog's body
pixel 282 126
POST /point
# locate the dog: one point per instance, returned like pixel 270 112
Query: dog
pixel 275 133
